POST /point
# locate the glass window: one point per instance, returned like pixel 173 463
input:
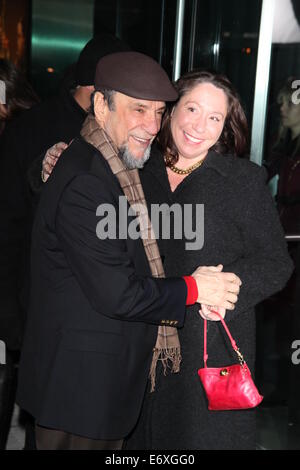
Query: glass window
pixel 148 26
pixel 60 30
pixel 224 36
pixel 278 362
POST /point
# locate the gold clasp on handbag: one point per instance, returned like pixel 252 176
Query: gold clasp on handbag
pixel 224 372
pixel 240 357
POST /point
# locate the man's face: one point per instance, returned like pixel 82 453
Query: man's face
pixel 132 124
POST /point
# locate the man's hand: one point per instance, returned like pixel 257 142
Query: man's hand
pixel 206 312
pixel 50 159
pixel 217 288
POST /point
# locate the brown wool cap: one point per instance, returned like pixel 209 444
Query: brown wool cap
pixel 136 75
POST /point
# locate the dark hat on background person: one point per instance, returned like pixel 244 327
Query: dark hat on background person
pixel 95 49
pixel 136 75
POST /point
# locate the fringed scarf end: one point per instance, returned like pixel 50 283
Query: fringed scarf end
pixel 166 356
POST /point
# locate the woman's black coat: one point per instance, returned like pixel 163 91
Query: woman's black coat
pixel 242 232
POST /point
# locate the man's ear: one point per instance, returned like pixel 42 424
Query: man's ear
pixel 100 108
pixel 91 88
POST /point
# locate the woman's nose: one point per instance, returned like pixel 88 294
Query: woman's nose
pixel 283 107
pixel 200 124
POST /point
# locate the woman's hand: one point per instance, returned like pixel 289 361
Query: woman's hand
pixel 51 158
pixel 206 312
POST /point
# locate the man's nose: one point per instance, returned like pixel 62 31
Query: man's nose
pixel 152 124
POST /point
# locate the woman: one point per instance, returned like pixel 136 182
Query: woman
pixel 201 138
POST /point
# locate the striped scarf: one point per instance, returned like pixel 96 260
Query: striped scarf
pixel 167 347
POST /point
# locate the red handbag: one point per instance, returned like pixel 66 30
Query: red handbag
pixel 229 387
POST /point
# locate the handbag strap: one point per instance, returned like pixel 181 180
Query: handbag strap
pixel 233 343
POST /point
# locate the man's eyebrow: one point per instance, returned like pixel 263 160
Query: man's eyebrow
pixel 145 106
pixel 141 105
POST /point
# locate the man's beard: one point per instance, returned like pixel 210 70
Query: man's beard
pixel 132 162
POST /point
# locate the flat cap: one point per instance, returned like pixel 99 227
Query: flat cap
pixel 136 75
pixel 93 51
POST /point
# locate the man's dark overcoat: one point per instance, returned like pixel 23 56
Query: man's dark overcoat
pixel 94 308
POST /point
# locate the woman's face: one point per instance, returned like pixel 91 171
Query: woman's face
pixel 198 120
pixel 290 112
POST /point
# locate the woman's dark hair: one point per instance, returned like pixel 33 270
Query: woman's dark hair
pixel 19 94
pixel 234 138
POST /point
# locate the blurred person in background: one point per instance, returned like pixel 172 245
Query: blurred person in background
pixel 18 96
pixel 284 160
pixel 18 93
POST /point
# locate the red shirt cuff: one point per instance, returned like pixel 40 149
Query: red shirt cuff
pixel 192 290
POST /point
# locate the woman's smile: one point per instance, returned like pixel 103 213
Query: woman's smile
pixel 192 139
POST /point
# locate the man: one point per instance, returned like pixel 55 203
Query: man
pixel 24 139
pixel 59 118
pixel 95 303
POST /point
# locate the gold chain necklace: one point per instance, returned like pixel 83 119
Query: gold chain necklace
pixel 187 171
